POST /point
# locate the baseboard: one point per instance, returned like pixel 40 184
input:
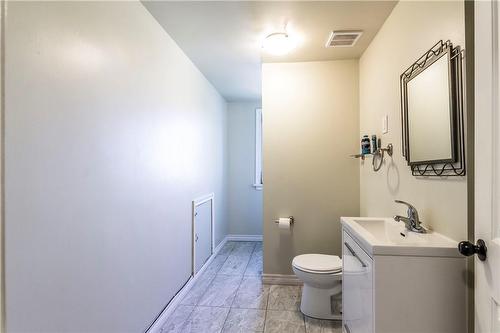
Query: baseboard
pixel 244 238
pixel 172 305
pixel 290 280
pixel 216 250
pixel 163 317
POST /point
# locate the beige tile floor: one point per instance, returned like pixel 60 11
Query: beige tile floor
pixel 229 297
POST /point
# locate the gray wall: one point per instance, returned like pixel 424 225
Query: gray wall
pixel 244 202
pixel 416 26
pixel 110 133
pixel 311 128
pixel 2 225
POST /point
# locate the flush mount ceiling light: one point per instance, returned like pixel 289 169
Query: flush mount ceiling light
pixel 278 43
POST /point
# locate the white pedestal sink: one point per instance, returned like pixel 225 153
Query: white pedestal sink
pixel 400 281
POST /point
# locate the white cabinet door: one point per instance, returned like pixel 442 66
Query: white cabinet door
pixel 357 288
pixel 202 234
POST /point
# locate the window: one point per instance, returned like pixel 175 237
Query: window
pixel 258 150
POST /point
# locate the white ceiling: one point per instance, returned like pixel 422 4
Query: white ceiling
pixel 223 38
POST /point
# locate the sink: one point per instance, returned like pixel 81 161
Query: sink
pixel 386 236
pixel 379 229
pixel 392 232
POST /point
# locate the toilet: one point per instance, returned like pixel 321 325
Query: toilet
pixel 322 291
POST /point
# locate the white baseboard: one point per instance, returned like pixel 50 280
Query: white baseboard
pixel 290 280
pixel 244 238
pixel 163 317
pixel 216 250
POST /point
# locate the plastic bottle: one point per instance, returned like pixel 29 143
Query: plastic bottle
pixel 365 145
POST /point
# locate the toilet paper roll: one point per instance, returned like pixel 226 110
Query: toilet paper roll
pixel 284 223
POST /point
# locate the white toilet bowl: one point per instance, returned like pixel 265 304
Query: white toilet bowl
pixel 322 292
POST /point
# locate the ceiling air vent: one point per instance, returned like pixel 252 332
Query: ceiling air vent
pixel 346 38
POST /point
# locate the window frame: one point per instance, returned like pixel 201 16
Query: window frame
pixel 258 179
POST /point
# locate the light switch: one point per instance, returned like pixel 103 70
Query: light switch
pixel 385 124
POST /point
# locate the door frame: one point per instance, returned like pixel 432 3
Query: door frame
pixel 469 72
pixel 195 203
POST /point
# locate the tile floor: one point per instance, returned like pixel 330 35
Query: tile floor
pixel 229 297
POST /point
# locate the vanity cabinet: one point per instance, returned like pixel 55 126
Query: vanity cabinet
pixel 390 293
pixel 357 287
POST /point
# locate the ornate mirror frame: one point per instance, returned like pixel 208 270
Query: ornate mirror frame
pixel 454 166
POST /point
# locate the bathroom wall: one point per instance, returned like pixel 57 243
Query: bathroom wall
pixel 311 126
pixel 244 201
pixel 110 133
pixel 412 28
pixel 2 225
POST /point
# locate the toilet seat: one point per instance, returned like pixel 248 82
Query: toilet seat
pixel 318 263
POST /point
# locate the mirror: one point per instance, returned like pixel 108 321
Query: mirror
pixel 431 112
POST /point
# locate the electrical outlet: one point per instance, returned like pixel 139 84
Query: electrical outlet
pixel 385 124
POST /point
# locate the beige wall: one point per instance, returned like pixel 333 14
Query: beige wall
pixel 311 126
pixel 244 201
pixel 111 131
pixel 410 30
pixel 2 220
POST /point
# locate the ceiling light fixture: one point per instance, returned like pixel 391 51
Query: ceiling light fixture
pixel 279 43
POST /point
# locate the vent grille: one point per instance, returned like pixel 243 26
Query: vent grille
pixel 343 38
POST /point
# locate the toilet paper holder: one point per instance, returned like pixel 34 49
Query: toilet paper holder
pixel 292 220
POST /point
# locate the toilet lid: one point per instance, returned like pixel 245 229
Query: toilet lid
pixel 321 263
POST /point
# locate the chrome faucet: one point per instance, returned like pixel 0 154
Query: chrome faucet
pixel 412 222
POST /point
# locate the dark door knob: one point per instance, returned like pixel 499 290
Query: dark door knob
pixel 467 249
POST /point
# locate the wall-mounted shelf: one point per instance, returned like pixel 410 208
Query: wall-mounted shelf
pixel 362 156
pixel 380 152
